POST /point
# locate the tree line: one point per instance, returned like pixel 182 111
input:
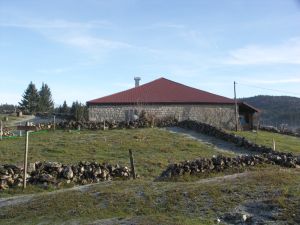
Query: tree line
pixel 40 101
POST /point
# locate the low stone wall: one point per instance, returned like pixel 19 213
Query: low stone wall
pixel 222 134
pixel 221 163
pixel 141 123
pixel 6 132
pixel 45 173
pixel 277 131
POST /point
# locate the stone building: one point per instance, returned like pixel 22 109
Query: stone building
pixel 164 98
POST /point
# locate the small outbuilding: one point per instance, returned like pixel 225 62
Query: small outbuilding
pixel 165 98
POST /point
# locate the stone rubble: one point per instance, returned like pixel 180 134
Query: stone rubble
pixel 140 123
pixel 221 163
pixel 7 132
pixel 45 173
pixel 222 134
pixel 279 131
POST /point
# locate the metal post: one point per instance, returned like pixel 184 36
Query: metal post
pixel 236 108
pixel 25 159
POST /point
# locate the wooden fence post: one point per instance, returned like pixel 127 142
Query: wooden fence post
pixel 1 130
pixel 25 159
pixel 274 145
pixel 132 164
pixel 54 123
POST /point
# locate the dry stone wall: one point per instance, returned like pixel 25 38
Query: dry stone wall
pixel 54 173
pixel 221 163
pixel 216 115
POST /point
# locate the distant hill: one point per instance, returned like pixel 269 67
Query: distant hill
pixel 276 110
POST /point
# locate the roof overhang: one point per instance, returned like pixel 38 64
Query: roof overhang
pixel 246 107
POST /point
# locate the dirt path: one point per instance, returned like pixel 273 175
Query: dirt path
pixel 21 199
pixel 218 144
pixel 21 120
pixel 223 178
pixel 10 201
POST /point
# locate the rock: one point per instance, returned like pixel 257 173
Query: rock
pixel 31 168
pixel 68 173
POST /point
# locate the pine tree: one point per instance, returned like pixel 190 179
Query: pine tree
pixel 30 100
pixel 45 101
pixel 65 108
pixel 79 111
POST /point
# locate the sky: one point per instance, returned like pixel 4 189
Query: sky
pixel 88 49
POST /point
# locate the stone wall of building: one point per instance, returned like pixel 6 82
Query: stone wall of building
pixel 216 115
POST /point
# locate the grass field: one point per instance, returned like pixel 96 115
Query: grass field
pixel 273 192
pixel 284 143
pixel 269 192
pixel 153 149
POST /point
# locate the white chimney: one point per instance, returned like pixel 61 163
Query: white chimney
pixel 137 81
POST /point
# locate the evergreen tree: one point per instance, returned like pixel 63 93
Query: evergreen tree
pixel 30 100
pixel 65 108
pixel 79 111
pixel 45 101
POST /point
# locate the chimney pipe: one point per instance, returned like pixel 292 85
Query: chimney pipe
pixel 137 81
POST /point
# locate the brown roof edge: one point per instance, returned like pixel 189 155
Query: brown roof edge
pixel 154 103
pixel 249 106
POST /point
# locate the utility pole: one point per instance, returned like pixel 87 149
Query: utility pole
pixel 236 108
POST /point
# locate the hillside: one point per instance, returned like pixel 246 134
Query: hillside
pixel 277 110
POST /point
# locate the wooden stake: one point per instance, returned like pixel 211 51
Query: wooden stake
pixel 20 131
pixel 236 108
pixel 1 130
pixel 25 159
pixel 274 145
pixel 54 122
pixel 132 164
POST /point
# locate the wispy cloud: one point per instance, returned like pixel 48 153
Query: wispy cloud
pixel 284 53
pixel 167 25
pixel 273 81
pixel 91 43
pixel 54 70
pixel 54 24
pixel 77 34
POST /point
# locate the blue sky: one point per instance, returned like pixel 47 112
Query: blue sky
pixel 87 49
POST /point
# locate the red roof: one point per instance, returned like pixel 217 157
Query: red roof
pixel 162 90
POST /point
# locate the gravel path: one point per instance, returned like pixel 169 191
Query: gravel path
pixel 218 144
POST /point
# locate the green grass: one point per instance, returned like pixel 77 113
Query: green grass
pixel 153 149
pixel 284 143
pixel 163 202
pixel 186 201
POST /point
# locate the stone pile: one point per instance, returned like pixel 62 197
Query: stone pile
pixel 45 173
pixel 222 134
pixel 141 123
pixel 7 132
pixel 278 131
pixel 220 163
pixel 44 126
